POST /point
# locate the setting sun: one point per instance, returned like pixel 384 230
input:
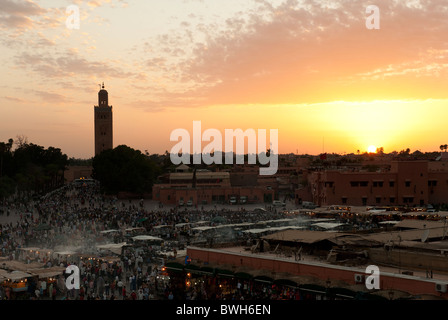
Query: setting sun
pixel 371 149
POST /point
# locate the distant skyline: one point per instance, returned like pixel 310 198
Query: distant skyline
pixel 310 69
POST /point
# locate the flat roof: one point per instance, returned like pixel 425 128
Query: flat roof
pixel 358 269
pixel 420 224
pixel 199 174
pixel 395 236
pixel 304 236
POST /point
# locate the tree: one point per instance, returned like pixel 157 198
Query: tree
pixel 124 169
pixel 41 169
pixel 30 168
pixel 5 150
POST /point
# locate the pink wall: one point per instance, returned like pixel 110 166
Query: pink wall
pixel 387 281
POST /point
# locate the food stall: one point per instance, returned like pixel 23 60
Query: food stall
pixel 16 280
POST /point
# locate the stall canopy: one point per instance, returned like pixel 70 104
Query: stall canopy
pixel 17 275
pixel 243 275
pixel 147 238
pixel 264 279
pixel 174 266
pixel 286 283
pixel 192 268
pixel 109 231
pixel 224 272
pixel 20 266
pixel 313 288
pixel 47 272
pixel 113 247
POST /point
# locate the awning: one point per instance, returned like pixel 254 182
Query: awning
pixel 369 296
pixel 193 269
pixel 314 288
pixel 174 266
pixel 109 231
pixel 48 272
pixel 343 292
pixel 207 271
pixel 17 275
pixel 224 273
pixel 243 275
pixel 286 283
pixel 264 279
pixel 147 238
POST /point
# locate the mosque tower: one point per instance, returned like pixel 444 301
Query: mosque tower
pixel 103 123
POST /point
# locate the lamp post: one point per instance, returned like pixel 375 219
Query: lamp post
pixel 391 295
pixel 328 284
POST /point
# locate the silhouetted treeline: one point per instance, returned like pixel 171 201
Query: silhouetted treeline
pixel 30 168
pixel 125 169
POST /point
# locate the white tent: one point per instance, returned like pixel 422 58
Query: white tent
pixel 109 231
pixel 146 238
pixel 328 225
pixel 113 247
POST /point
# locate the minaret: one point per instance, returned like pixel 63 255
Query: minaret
pixel 103 123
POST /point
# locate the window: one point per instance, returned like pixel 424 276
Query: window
pixel 364 183
pixel 354 183
pixel 377 183
pixel 392 199
pixel 364 201
pixel 344 200
pixel 408 199
pixel 432 183
pixel 407 183
pixel 391 183
pixel 329 184
pixel 378 199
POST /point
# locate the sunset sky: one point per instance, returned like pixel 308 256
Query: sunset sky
pixel 310 69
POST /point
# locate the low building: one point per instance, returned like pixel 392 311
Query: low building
pixel 405 183
pixel 206 187
pixel 77 172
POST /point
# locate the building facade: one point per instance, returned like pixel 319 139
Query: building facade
pixel 404 183
pixel 206 187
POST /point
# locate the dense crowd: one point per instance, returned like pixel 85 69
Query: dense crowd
pixel 76 215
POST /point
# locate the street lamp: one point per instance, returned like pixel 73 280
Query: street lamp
pixel 328 284
pixel 391 295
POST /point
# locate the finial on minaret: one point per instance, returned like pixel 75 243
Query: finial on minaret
pixel 103 85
